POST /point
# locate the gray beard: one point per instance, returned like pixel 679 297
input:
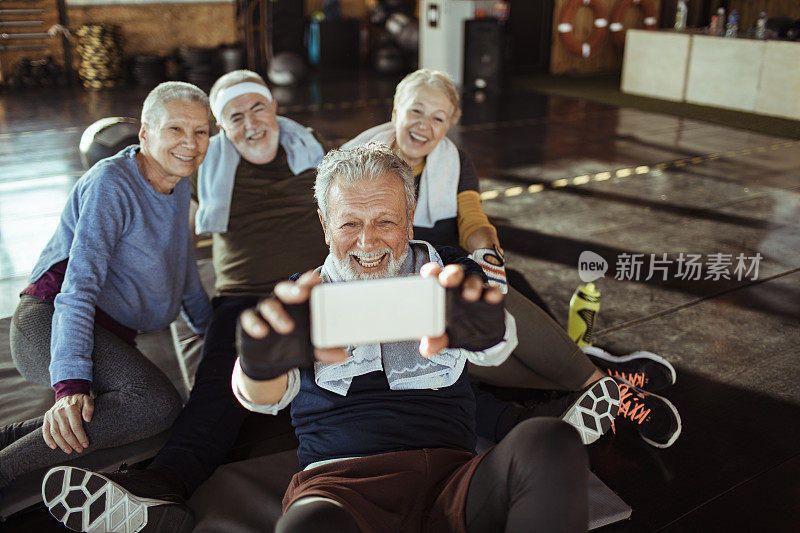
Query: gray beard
pixel 391 270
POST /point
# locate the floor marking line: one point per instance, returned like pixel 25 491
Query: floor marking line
pixel 619 173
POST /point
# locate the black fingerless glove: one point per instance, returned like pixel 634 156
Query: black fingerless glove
pixel 474 326
pixel 276 354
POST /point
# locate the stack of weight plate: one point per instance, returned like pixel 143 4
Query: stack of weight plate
pixel 101 56
pixel 197 65
pixel 148 71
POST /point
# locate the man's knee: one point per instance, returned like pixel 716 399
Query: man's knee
pixel 316 515
pixel 548 438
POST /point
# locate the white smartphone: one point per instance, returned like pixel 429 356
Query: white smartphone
pixel 375 311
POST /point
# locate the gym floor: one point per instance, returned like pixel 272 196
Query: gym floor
pixel 561 176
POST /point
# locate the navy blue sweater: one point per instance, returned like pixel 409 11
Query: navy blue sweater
pixel 373 419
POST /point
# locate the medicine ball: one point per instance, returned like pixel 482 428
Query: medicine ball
pixel 378 15
pixel 106 137
pixel 388 59
pixel 286 68
pixel 405 31
pixel 230 58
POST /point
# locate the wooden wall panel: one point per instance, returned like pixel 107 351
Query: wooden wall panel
pixel 750 9
pixel 608 57
pixel 161 28
pixel 155 28
pixel 350 8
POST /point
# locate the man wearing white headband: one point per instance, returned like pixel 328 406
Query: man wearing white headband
pixel 246 112
pixel 254 194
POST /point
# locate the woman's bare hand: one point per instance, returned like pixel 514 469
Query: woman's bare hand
pixel 63 423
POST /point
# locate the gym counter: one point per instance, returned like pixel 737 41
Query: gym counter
pixel 742 74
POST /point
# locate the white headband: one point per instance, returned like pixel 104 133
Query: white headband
pixel 229 93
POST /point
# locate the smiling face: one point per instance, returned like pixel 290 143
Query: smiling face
pixel 250 123
pixel 175 145
pixel 368 227
pixel 420 122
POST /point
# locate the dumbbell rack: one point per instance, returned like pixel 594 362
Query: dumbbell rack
pixel 24 26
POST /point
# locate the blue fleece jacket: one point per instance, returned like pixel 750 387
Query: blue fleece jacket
pixel 130 254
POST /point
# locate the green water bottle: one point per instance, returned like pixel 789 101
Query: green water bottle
pixel 583 308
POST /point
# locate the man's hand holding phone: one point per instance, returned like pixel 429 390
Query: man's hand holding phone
pixel 474 313
pixel 275 336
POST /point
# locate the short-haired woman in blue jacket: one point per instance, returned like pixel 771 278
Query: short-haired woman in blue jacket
pixel 120 261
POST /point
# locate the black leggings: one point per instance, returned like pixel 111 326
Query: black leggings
pixel 534 480
pixel 316 516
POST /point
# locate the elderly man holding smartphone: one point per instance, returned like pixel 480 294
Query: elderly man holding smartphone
pixel 254 191
pixel 387 431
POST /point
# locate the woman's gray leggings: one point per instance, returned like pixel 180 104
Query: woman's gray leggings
pixel 133 397
pixel 546 358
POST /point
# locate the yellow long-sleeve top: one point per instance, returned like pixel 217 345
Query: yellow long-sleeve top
pixel 470 215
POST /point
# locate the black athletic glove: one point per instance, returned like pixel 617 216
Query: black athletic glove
pixel 276 354
pixel 474 326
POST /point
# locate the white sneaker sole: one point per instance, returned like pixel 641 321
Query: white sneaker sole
pixel 86 501
pixel 594 411
pixel 639 354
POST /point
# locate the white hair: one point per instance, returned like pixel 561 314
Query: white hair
pixel 432 78
pixel 359 164
pixel 153 107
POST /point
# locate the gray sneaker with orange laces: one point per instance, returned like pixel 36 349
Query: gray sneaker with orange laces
pixel 641 369
pixel 656 419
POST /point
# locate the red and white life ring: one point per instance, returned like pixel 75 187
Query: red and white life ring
pixel 616 27
pixel 597 36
